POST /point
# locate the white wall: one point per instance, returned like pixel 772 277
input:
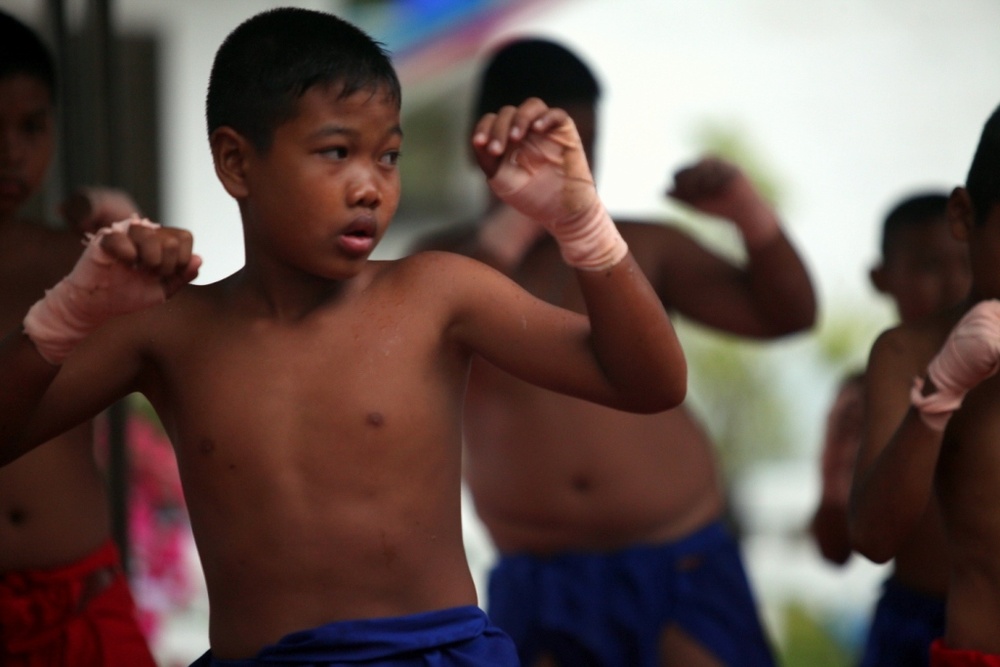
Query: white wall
pixel 851 103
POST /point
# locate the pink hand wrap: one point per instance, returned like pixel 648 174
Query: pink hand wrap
pixel 98 288
pixel 969 355
pixel 535 180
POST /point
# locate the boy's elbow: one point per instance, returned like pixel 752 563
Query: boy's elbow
pixel 875 552
pixel 795 320
pixel 677 393
pixel 806 319
pixel 671 394
pixel 872 542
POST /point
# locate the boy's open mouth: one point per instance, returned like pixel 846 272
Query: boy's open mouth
pixel 359 236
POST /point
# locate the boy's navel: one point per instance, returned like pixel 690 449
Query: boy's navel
pixel 375 419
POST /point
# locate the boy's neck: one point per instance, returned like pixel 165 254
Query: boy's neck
pixel 286 295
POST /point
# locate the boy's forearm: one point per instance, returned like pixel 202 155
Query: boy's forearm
pixel 24 378
pixel 781 287
pixel 633 337
pixel 890 495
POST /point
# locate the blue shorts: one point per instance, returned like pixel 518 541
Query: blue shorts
pixel 904 624
pixel 611 609
pixel 457 637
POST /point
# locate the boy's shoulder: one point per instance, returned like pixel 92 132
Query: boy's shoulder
pixel 663 246
pixel 662 235
pixel 38 250
pixel 917 342
pixel 438 276
pixel 658 228
pixel 430 264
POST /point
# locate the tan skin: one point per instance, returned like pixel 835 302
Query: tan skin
pixel 920 471
pixel 313 397
pixel 551 473
pixel 53 501
pixel 926 270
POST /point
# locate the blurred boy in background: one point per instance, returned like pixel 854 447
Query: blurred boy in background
pixel 928 471
pixel 64 599
pixel 610 525
pixel 923 270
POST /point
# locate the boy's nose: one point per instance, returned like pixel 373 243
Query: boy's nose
pixel 364 190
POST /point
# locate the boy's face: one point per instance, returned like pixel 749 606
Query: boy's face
pixel 27 140
pixel 984 252
pixel 322 196
pixel 925 270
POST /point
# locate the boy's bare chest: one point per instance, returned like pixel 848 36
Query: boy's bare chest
pixel 311 402
pixel 970 452
pixel 348 373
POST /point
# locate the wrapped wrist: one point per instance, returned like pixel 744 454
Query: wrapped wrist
pixel 590 241
pixel 97 289
pixel 935 408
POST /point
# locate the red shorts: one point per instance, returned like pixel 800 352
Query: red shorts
pixel 81 614
pixel 942 656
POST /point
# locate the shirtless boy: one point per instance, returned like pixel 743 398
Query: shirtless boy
pixel 314 397
pixel 923 270
pixel 609 525
pixel 63 596
pixel 928 446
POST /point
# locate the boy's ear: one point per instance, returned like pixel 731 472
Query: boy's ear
pixel 877 277
pixel 961 213
pixel 230 151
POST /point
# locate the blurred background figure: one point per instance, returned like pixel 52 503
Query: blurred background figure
pixel 613 548
pixel 923 270
pixel 64 596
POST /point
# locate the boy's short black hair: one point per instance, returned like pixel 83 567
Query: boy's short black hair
pixel 22 52
pixel 270 60
pixel 983 181
pixel 534 67
pixel 917 209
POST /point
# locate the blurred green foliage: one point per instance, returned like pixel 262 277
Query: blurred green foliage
pixel 807 644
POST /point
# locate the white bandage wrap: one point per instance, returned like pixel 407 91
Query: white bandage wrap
pixel 98 287
pixel 969 355
pixel 534 181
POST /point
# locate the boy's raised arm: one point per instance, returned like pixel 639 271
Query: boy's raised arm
pixel 894 476
pixel 534 160
pixel 894 471
pixel 772 294
pixel 126 267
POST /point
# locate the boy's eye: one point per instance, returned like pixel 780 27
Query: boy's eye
pixel 35 125
pixel 335 152
pixel 391 158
